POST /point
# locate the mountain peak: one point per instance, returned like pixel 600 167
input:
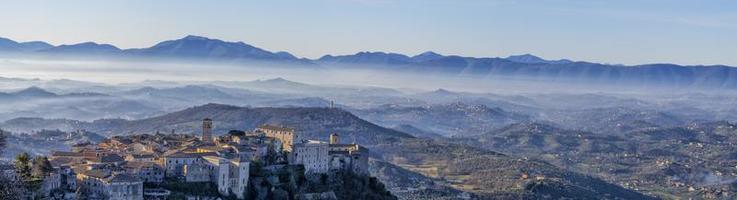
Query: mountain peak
pixel 35 45
pixel 442 91
pixel 368 57
pixel 8 45
pixel 193 46
pixel 85 47
pixel 428 55
pixel 532 59
pixel 279 80
pixel 525 58
pixel 35 92
pixel 195 37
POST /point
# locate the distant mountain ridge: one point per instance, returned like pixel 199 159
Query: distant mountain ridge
pixel 522 67
pixel 189 47
pixel 10 45
pixel 202 47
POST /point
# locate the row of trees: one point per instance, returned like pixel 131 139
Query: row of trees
pixel 32 169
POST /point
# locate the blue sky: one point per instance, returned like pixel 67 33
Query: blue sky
pixel 621 31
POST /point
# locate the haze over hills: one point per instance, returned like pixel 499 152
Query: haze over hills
pixel 455 162
pixel 589 143
pixel 574 140
pixel 519 67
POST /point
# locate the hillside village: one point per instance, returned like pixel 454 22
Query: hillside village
pixel 270 162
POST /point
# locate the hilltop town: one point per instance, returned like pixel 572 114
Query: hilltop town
pixel 266 163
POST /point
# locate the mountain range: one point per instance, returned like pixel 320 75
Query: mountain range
pixel 524 67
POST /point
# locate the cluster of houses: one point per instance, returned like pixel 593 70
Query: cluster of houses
pixel 119 167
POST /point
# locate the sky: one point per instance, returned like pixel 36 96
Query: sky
pixel 616 31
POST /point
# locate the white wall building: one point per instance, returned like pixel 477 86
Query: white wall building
pixel 312 154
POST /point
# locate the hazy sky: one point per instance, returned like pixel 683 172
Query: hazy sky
pixel 616 31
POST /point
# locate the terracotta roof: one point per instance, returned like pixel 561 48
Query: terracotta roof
pixel 60 161
pixel 137 165
pixel 190 155
pixel 106 159
pixel 65 154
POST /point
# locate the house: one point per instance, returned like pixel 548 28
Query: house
pixel 230 175
pixel 197 172
pixel 102 184
pixel 140 157
pixel 148 172
pixel 174 163
pixel 105 159
pixel 287 136
pixel 312 154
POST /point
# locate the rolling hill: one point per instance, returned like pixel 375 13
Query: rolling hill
pixel 314 123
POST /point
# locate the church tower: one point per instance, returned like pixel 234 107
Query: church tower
pixel 207 130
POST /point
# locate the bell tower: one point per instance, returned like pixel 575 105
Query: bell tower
pixel 207 130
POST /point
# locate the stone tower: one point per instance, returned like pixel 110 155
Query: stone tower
pixel 334 138
pixel 207 130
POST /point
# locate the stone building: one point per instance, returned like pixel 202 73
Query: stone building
pixel 287 136
pixel 101 184
pixel 312 154
pixel 174 163
pixel 140 157
pixel 148 172
pixel 207 130
pixel 230 175
pixel 198 172
pixel 349 157
pixel 322 157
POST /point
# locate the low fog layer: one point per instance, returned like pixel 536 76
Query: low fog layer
pixel 141 72
pixel 89 89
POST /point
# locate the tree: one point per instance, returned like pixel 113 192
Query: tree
pixel 23 166
pixel 41 167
